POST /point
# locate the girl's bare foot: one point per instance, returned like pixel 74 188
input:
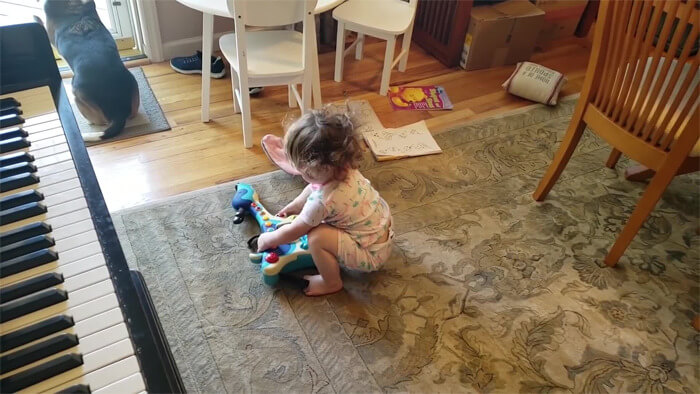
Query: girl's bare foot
pixel 318 287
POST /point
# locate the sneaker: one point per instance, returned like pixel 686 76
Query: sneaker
pixel 193 65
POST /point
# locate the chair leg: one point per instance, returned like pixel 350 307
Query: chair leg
pixel 245 114
pixel 646 204
pixel 561 158
pixel 613 158
pixel 234 87
pixel 388 60
pixel 359 46
pixel 696 322
pixel 339 50
pixel 638 173
pixel 306 93
pixel 290 96
pixel 405 48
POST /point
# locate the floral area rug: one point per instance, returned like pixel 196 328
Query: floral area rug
pixel 486 290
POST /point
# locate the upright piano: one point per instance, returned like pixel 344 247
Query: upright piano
pixel 73 316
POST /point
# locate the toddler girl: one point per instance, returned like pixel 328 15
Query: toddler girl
pixel 346 220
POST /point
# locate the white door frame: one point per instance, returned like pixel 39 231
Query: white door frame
pixel 147 23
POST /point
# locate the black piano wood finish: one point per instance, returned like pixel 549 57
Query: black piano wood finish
pixel 26 62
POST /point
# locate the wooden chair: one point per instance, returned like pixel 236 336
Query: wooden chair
pixel 269 57
pixel 385 19
pixel 637 63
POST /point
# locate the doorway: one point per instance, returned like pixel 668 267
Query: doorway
pixel 117 15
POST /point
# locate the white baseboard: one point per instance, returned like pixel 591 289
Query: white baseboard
pixel 187 46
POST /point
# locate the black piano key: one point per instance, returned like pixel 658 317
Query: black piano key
pixel 16 169
pixel 21 212
pixel 21 198
pixel 35 331
pixel 26 262
pixel 24 232
pixel 29 286
pixel 13 158
pixel 9 102
pixel 10 111
pixel 18 181
pixel 10 120
pixel 40 372
pixel 76 389
pixel 26 305
pixel 17 249
pixel 14 144
pixel 13 133
pixel 36 352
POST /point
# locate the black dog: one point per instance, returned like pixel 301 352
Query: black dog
pixel 105 91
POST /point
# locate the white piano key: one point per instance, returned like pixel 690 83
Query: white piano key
pixel 75 299
pixel 55 222
pixel 80 252
pixel 45 143
pixel 45 131
pixel 84 263
pixel 32 121
pixel 131 385
pixel 65 208
pixel 87 345
pixel 86 279
pixel 78 313
pixel 47 190
pixel 72 229
pixel 85 327
pixel 43 171
pixel 60 198
pixel 91 362
pixel 103 377
pixel 57 177
pixel 45 161
pixel 75 241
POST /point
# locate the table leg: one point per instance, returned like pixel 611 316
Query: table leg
pixel 207 41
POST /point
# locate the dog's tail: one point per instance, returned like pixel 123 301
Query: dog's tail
pixel 113 129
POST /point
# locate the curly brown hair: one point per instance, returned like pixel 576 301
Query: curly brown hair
pixel 323 139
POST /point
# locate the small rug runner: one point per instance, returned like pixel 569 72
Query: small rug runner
pixel 150 118
pixel 486 290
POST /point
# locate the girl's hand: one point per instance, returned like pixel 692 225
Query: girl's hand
pixel 266 241
pixel 292 208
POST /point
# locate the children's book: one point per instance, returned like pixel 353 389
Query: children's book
pixel 407 141
pixel 419 98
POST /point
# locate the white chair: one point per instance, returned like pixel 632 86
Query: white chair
pixel 269 57
pixel 385 19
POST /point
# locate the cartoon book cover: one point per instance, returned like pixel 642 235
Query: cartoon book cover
pixel 419 98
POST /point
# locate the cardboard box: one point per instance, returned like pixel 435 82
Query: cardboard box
pixel 500 34
pixel 560 19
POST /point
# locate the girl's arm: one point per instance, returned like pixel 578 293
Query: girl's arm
pixel 295 206
pixel 283 235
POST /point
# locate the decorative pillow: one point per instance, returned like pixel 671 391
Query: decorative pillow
pixel 535 82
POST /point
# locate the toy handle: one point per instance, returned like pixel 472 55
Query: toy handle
pixel 253 243
pixel 239 216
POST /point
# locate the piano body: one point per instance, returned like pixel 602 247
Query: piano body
pixel 73 317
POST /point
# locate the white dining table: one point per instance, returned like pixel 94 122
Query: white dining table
pixel 209 8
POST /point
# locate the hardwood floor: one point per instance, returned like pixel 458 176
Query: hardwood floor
pixel 195 155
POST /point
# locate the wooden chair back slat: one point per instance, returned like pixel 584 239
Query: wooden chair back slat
pixel 648 85
pixel 617 22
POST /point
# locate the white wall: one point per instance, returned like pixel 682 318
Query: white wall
pixel 181 28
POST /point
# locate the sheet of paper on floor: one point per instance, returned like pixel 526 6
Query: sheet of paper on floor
pixel 407 141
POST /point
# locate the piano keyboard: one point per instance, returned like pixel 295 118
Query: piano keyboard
pixel 61 325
